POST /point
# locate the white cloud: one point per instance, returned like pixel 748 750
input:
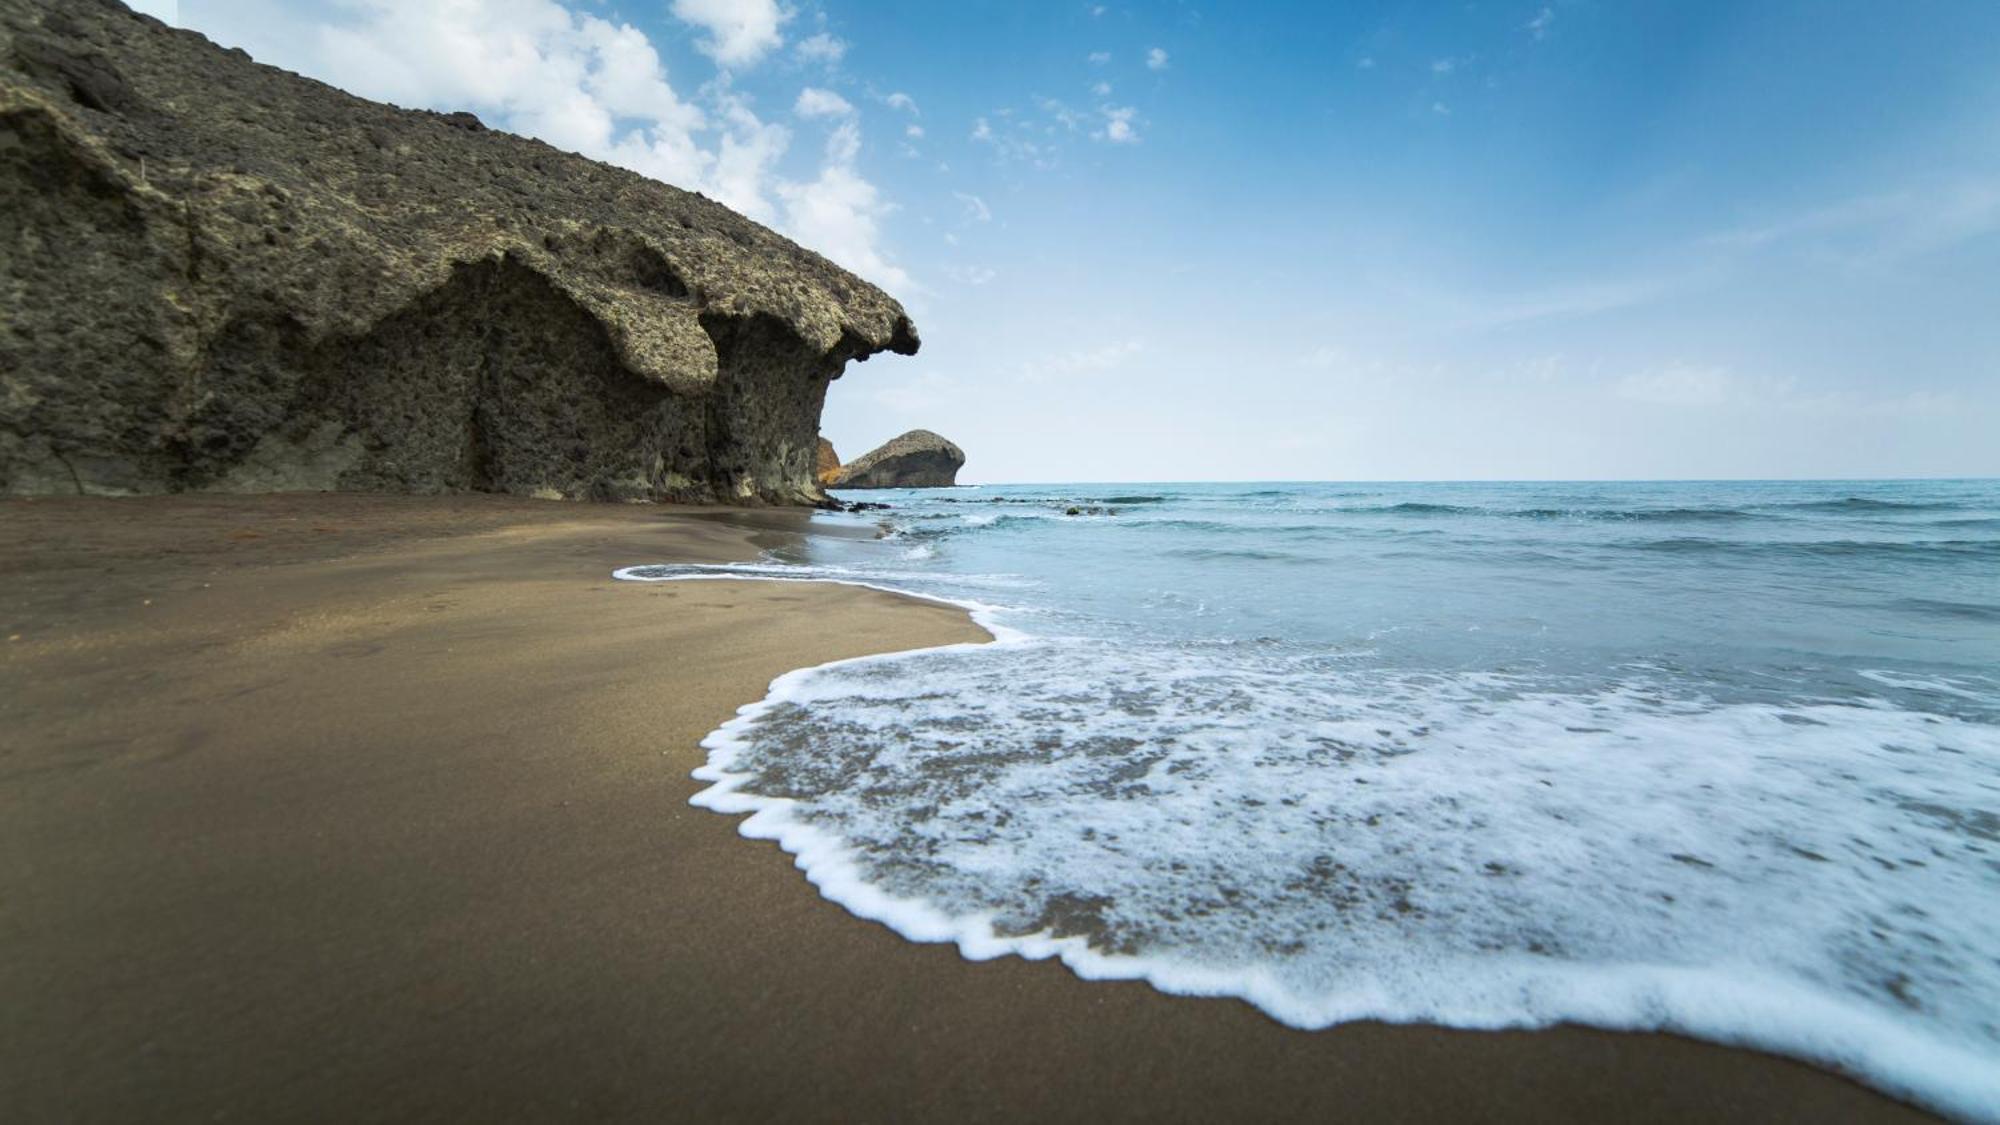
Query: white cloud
pixel 815 102
pixel 981 130
pixel 839 214
pixel 1441 109
pixel 1443 66
pixel 1156 59
pixel 975 208
pixel 1099 58
pixel 820 48
pixel 740 32
pixel 970 275
pixel 1096 10
pixel 901 101
pixel 914 132
pixel 1101 89
pixel 1539 26
pixel 747 157
pixel 1118 125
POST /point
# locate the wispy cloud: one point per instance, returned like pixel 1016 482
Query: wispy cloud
pixel 1447 311
pixel 1083 361
pixel 1696 387
pixel 976 210
pixel 1099 58
pixel 1156 59
pixel 1062 115
pixel 822 48
pixel 1013 140
pixel 1539 26
pixel 1679 385
pixel 1880 229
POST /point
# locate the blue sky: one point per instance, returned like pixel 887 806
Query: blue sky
pixel 1313 241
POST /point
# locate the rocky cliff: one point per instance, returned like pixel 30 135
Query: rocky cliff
pixel 918 459
pixel 827 466
pixel 218 275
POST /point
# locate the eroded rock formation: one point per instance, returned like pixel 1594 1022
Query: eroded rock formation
pixel 218 275
pixel 828 464
pixel 918 459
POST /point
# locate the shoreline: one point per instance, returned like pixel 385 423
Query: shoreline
pixel 391 819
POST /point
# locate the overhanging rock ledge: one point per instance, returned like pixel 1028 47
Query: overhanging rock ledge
pixel 220 275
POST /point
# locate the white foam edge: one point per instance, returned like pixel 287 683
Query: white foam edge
pixel 1716 1005
pixel 983 614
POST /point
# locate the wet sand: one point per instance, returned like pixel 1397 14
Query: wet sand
pixel 346 807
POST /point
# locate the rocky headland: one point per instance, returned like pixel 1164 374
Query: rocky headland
pixel 827 465
pixel 918 459
pixel 223 276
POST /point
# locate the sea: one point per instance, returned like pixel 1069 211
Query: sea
pixel 1713 758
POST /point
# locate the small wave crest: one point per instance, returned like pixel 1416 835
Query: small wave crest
pixel 1612 514
pixel 1870 504
pixel 1939 607
pixel 1940 551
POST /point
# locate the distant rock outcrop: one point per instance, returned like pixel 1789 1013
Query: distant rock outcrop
pixel 828 465
pixel 218 275
pixel 918 459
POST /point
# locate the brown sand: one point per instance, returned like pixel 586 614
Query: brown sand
pixel 342 808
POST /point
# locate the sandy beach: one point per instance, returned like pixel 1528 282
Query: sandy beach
pixel 337 807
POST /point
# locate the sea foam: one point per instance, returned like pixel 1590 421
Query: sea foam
pixel 1720 758
pixel 1332 841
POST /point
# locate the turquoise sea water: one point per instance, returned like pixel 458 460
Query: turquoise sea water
pixel 1720 758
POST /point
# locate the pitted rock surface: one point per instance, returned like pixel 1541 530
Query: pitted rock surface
pixel 220 275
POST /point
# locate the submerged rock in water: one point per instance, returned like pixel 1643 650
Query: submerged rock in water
pixel 223 276
pixel 918 459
